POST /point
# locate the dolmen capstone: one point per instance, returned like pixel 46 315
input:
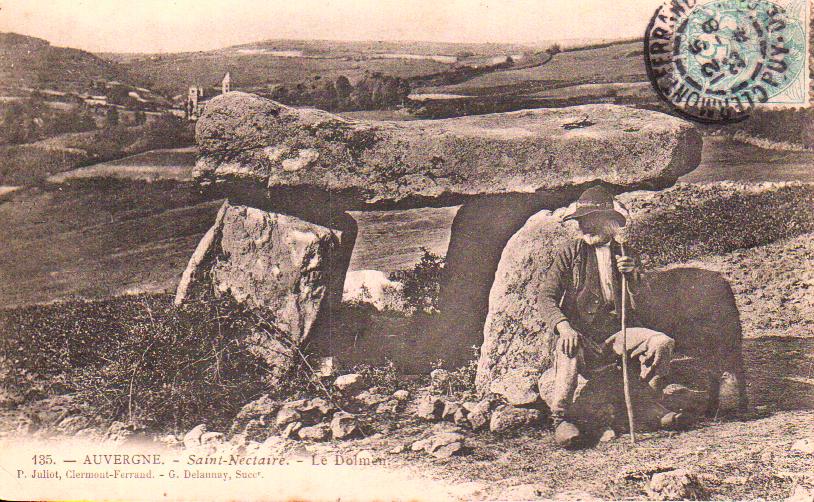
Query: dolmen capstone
pixel 293 173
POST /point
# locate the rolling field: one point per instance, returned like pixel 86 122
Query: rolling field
pixel 291 61
pixel 617 63
pixel 167 164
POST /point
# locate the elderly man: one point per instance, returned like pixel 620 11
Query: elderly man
pixel 582 298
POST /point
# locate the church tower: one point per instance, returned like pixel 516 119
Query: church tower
pixel 226 83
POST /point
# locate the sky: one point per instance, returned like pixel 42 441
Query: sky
pixel 189 25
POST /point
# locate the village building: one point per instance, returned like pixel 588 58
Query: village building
pixel 197 97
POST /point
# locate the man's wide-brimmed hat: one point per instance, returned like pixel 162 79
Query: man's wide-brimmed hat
pixel 595 201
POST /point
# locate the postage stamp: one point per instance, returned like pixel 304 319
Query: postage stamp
pixel 716 60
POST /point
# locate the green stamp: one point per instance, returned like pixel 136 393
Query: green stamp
pixel 716 60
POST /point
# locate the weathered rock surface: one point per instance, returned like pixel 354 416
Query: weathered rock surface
pixel 679 484
pixel 430 408
pixel 508 419
pixel 518 386
pixel 344 425
pixel 319 432
pixel 243 137
pixel 256 419
pixel 350 383
pixel 288 270
pixel 515 336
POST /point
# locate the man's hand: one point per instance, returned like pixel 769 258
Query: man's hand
pixel 568 342
pixel 625 264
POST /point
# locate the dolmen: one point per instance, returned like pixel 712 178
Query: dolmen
pixel 282 242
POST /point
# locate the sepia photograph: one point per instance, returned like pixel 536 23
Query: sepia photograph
pixel 379 250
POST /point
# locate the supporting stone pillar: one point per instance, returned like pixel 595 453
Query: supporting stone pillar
pixel 480 231
pixel 288 270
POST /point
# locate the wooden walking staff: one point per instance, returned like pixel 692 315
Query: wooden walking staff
pixel 625 379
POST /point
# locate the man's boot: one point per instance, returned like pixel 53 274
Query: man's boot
pixel 680 398
pixel 566 434
pixel 673 421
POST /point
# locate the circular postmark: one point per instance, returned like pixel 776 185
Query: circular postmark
pixel 715 60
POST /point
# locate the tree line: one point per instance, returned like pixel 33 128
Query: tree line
pixel 374 91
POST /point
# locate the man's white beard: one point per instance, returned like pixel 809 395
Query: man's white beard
pixel 595 240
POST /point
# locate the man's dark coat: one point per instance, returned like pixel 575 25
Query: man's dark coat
pixel 571 291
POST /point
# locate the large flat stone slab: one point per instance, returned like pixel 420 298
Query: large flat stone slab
pixel 255 142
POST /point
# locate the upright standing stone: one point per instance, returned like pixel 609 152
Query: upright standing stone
pixel 282 267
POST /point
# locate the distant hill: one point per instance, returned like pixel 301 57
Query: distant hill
pixel 261 66
pixel 289 62
pixel 28 62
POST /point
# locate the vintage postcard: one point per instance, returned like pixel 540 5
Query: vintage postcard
pixel 373 250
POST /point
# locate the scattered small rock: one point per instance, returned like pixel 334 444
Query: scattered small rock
pixel 508 419
pixel 370 399
pixel 678 484
pixel 211 437
pixel 442 444
pixel 73 424
pixel 314 410
pixel 344 425
pixel 450 409
pixel 287 415
pixel 389 407
pixel 518 387
pixel 430 408
pixel 805 445
pixel 259 413
pixel 460 418
pixel 470 406
pixel 608 435
pixel 399 448
pixel 193 437
pixel 479 415
pixel 319 432
pixel 401 395
pixel 291 429
pixel 350 383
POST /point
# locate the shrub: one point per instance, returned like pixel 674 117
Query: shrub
pixel 384 376
pixel 136 357
pixel 31 119
pixel 461 383
pixel 421 283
